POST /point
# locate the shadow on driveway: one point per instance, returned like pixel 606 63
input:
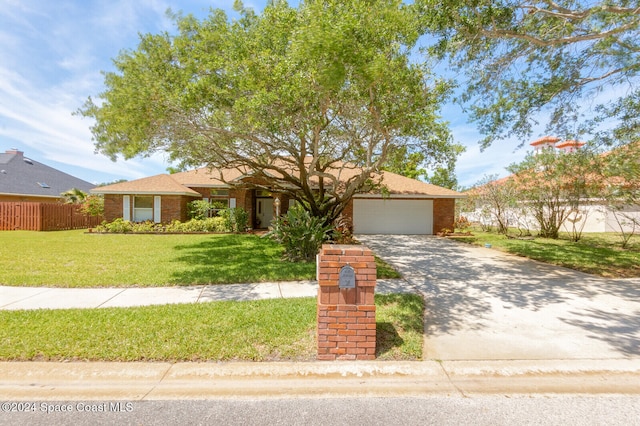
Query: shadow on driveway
pixel 484 304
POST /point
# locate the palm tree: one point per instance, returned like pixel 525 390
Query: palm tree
pixel 74 196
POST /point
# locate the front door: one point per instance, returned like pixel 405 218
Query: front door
pixel 264 212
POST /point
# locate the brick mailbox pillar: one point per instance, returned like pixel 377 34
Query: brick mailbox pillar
pixel 346 308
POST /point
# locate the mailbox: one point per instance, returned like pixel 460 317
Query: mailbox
pixel 347 278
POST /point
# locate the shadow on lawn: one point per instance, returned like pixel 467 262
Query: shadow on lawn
pixel 594 260
pixel 387 338
pixel 236 258
pixel 399 315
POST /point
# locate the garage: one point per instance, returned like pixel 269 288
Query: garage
pixel 392 216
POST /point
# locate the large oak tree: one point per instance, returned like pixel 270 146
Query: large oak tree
pixel 297 95
pixel 573 63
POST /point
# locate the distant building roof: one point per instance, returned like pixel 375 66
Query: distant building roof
pixel 545 140
pixel 569 144
pixel 20 175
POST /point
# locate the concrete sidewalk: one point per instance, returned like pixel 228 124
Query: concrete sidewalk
pixel 14 298
pixel 63 298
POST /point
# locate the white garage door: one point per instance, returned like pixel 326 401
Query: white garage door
pixel 392 216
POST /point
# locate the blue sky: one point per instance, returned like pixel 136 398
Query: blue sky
pixel 51 57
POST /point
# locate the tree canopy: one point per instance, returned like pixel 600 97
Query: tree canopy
pixel 294 93
pixel 573 61
pixel 553 186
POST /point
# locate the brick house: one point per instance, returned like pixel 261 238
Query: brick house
pixel 408 206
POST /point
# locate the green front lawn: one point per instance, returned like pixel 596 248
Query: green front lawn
pixel 79 259
pixel 265 330
pixel 597 253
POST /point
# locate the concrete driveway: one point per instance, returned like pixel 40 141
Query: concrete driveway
pixel 482 304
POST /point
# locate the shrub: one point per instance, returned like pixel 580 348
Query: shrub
pixel 214 224
pixel 445 231
pixel 342 231
pixel 300 233
pixel 144 227
pixel 118 226
pixel 198 209
pixel 235 219
pixel 211 224
pixel 462 223
pixel 93 205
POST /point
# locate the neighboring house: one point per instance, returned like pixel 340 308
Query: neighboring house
pixel 553 142
pixel 23 179
pixel 595 215
pixel 408 206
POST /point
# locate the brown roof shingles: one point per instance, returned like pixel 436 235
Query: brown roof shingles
pixel 402 185
pixel 179 183
pixel 159 184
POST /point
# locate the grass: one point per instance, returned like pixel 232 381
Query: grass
pixel 78 259
pixel 597 253
pixel 384 270
pixel 265 330
pixel 399 326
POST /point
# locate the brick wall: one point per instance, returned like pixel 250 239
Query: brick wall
pixel 205 192
pixel 347 215
pixel 112 207
pixel 174 207
pixel 444 210
pixel 346 316
pixel 245 199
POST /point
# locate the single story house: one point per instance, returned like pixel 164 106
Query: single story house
pixel 25 180
pixel 594 215
pixel 408 206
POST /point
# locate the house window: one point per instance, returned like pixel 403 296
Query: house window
pixel 219 201
pixel 142 208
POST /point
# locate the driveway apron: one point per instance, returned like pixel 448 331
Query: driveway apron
pixel 482 304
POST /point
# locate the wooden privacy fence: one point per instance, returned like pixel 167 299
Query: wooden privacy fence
pixel 44 217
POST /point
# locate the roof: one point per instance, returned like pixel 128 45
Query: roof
pixel 20 175
pixel 179 183
pixel 158 185
pixel 206 177
pixel 570 143
pixel 545 140
pixel 402 185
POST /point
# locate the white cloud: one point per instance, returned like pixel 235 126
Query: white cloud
pixel 54 53
pixel 40 122
pixel 57 50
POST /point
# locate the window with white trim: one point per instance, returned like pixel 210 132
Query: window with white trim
pixel 219 201
pixel 142 208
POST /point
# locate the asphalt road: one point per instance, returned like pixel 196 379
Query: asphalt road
pixel 486 410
